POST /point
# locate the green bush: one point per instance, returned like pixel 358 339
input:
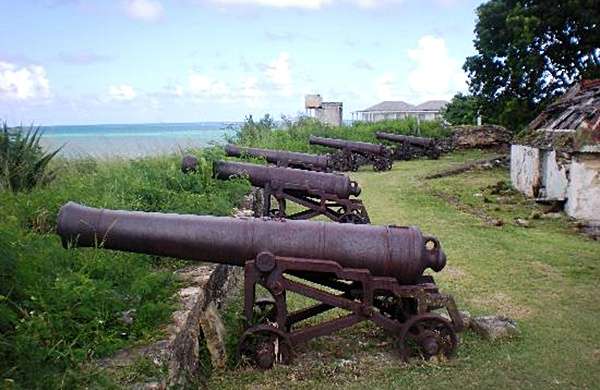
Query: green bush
pixel 293 135
pixel 23 162
pixel 61 308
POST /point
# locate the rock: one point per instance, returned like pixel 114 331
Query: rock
pixel 486 136
pixel 127 316
pixel 590 229
pixel 551 215
pixel 522 222
pixel 535 215
pixel 497 222
pixel 494 327
pixel 466 317
pixel 214 334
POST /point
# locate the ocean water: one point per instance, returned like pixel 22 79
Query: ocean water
pixel 133 140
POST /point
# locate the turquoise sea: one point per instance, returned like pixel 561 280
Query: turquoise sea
pixel 133 140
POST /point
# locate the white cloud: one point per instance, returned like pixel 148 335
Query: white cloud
pixel 121 93
pixel 251 92
pixel 307 4
pixel 204 86
pixel 435 75
pixel 385 86
pixel 278 73
pixel 145 10
pixel 27 82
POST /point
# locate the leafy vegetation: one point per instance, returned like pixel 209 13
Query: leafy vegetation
pixel 293 135
pixel 462 110
pixel 23 162
pixel 544 276
pixel 60 309
pixel 528 52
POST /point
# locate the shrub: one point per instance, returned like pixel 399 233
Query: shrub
pixel 60 309
pixel 23 162
pixel 293 135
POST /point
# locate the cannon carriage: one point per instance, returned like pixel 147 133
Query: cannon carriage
pixel 281 158
pixel 409 147
pixel 372 273
pixel 317 193
pixel 352 154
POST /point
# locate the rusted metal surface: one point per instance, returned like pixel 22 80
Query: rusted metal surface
pixel 411 146
pixel 311 162
pixel 353 153
pixel 318 193
pixel 373 273
pixel 189 163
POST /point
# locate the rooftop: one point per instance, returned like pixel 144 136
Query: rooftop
pixel 400 106
pixel 571 122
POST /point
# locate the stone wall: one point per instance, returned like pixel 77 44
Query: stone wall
pixel 525 169
pixel 544 175
pixel 583 194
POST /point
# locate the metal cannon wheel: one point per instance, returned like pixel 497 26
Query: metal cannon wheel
pixel 354 218
pixel 427 335
pixel 265 345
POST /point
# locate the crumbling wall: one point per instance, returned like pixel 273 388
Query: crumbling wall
pixel 525 169
pixel 554 181
pixel 583 194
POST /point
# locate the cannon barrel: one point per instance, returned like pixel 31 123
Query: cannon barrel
pixel 400 252
pixel 355 146
pixel 425 142
pixel 277 156
pixel 288 179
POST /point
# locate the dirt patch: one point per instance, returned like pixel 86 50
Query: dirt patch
pixel 501 303
pixel 546 270
pixel 454 273
pixel 475 211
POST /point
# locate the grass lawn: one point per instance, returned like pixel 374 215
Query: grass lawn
pixel 544 276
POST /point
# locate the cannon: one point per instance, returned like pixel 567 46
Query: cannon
pixel 317 193
pixel 411 146
pixel 372 273
pixel 352 154
pixel 311 162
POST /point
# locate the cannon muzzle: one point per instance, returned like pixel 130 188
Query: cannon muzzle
pixel 400 252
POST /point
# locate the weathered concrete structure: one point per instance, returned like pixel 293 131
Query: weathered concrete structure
pixel 330 113
pixel 558 157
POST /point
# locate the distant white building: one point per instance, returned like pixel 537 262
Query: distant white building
pixel 427 111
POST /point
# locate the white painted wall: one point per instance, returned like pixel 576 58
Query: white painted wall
pixel 553 177
pixel 583 194
pixel 525 169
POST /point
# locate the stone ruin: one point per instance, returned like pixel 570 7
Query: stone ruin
pixel 557 159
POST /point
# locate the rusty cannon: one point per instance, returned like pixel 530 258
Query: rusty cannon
pixel 318 193
pixel 369 273
pixel 281 158
pixel 410 146
pixel 352 154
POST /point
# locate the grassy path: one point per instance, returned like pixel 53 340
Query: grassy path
pixel 544 276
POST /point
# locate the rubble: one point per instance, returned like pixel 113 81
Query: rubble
pixel 485 137
pixel 494 327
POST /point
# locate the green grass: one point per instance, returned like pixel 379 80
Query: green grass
pixel 544 276
pixel 60 309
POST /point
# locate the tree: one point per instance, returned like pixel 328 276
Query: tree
pixel 462 110
pixel 530 51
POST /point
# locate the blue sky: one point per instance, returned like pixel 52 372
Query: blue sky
pixel 132 61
